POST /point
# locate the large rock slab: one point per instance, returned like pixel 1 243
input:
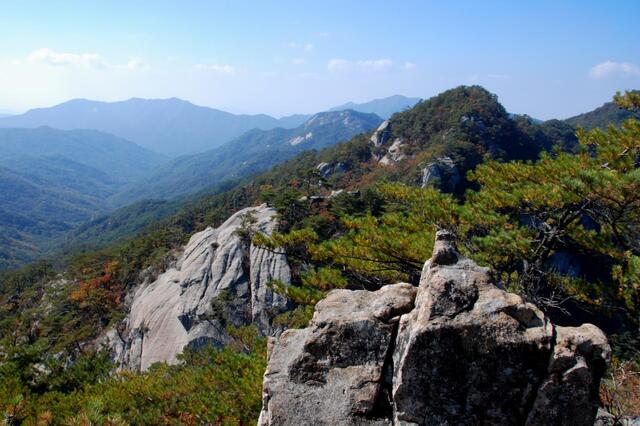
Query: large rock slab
pixel 334 371
pixel 382 134
pixel 217 281
pixel 464 352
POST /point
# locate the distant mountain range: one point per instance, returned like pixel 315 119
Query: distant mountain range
pixel 130 219
pixel 173 127
pixel 53 180
pixel 71 163
pixel 255 151
pixel 168 126
pixel 384 107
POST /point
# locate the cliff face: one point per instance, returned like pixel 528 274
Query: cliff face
pixel 457 350
pixel 219 280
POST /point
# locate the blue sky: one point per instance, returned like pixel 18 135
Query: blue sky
pixel 545 58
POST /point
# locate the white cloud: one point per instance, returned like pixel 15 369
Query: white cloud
pixel 607 68
pixel 50 57
pixel 218 68
pixel 306 47
pixel 342 65
pixel 376 64
pixel 135 63
pixel 309 75
pixel 337 65
pixel 499 76
pixel 409 66
pixel 79 60
pixel 297 61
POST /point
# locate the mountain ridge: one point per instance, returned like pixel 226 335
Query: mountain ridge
pixel 52 180
pixel 158 124
pixel 383 107
pixel 252 152
pixel 343 164
pixel 602 116
pixel 155 124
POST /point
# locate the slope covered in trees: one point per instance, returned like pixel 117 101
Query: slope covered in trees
pixel 560 229
pixel 253 152
pixel 601 117
pixel 53 180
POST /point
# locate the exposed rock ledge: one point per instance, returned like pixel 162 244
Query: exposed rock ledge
pixel 217 281
pixel 466 353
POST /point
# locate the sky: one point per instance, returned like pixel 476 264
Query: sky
pixel 548 59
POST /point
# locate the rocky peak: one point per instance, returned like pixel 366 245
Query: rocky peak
pixel 349 119
pixel 456 350
pixel 218 280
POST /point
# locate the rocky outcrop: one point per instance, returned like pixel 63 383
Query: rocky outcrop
pixel 328 169
pixel 394 153
pixel 382 137
pixel 334 372
pixel 462 352
pixel 382 134
pixel 442 174
pixel 219 280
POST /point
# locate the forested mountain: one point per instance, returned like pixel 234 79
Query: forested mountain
pixel 167 126
pixel 120 158
pixel 361 214
pixel 344 163
pixel 458 125
pixel 384 107
pixel 253 152
pixel 34 209
pixel 53 180
pixel 601 117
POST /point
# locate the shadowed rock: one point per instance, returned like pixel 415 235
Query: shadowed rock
pixel 442 174
pixel 333 372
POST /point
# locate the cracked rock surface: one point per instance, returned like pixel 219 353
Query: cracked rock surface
pixel 334 371
pixel 457 350
pixel 217 281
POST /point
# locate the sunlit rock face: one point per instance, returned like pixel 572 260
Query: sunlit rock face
pixel 456 350
pixel 219 280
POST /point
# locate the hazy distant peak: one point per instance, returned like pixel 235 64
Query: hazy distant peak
pixel 383 107
pixel 170 126
pixel 346 116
